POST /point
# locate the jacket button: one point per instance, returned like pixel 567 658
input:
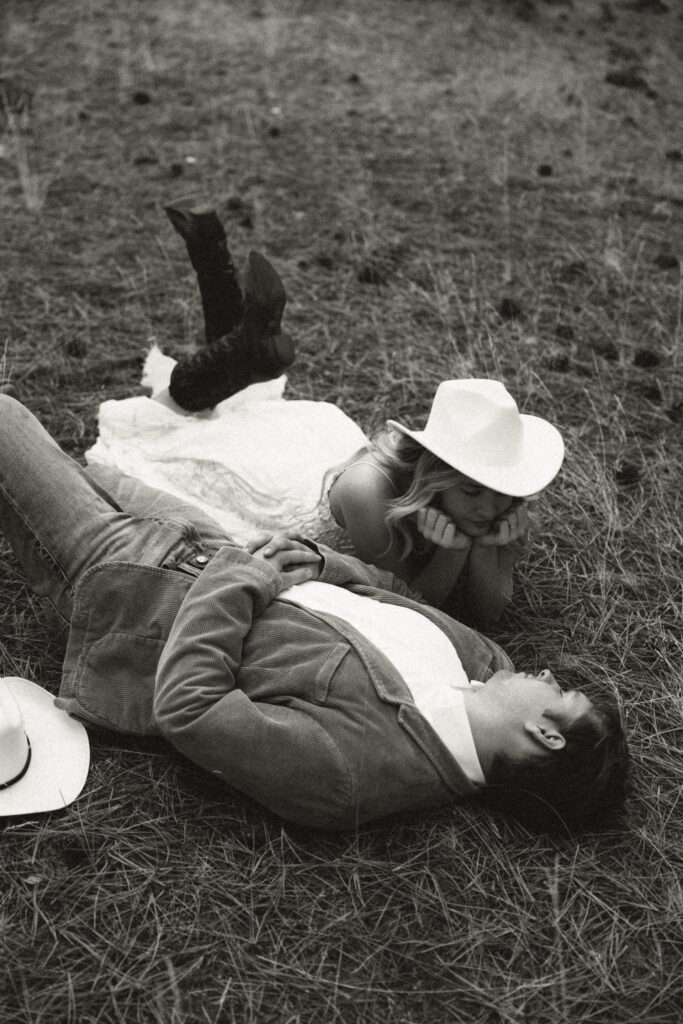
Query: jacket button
pixel 201 559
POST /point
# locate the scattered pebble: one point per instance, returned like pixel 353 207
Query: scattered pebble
pixel 574 271
pixel 627 474
pixel 526 10
pixel 628 78
pixel 606 348
pixel 646 358
pixel 560 364
pixel 73 855
pixel 370 274
pixel 652 392
pixel 509 309
pixel 76 348
pixel 238 205
pixel 648 6
pixel 619 52
pixel 666 261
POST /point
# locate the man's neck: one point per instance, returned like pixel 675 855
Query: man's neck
pixel 483 726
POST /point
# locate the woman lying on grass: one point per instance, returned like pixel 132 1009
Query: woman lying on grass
pixel 444 508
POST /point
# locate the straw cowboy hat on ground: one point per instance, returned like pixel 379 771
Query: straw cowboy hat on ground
pixel 475 427
pixel 44 753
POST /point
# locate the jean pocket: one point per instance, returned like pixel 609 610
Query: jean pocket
pixel 114 687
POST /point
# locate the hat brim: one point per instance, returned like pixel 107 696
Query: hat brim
pixel 538 461
pixel 60 754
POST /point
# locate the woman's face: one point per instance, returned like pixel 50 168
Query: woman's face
pixel 473 507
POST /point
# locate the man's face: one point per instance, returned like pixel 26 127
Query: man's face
pixel 473 507
pixel 523 697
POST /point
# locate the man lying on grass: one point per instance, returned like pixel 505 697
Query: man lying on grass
pixel 312 682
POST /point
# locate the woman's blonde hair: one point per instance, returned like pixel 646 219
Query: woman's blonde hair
pixel 418 476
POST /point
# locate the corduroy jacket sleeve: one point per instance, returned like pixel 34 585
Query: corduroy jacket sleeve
pixel 203 653
pixel 204 649
pixel 347 570
pixel 270 749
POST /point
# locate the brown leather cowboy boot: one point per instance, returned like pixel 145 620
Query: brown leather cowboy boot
pixel 219 371
pixel 255 351
pixel 212 374
pixel 207 247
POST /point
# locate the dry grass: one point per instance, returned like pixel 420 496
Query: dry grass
pixel 386 156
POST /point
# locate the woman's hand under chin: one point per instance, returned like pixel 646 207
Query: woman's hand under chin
pixel 511 527
pixel 439 528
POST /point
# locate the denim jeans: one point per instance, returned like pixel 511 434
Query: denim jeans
pixel 60 519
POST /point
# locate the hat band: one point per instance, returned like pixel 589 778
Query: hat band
pixel 10 782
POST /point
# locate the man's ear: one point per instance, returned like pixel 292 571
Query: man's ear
pixel 547 737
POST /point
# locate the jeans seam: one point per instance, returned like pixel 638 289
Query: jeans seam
pixel 42 551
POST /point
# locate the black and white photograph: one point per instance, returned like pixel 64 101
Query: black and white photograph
pixel 341 536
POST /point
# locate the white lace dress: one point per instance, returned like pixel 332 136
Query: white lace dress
pixel 256 462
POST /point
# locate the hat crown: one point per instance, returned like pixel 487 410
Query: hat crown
pixel 13 742
pixel 479 414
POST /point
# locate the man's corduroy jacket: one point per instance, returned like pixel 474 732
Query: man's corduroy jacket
pixel 292 707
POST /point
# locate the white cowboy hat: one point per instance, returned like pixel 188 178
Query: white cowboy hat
pixel 475 427
pixel 44 753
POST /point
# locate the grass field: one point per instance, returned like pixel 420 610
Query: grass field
pixel 448 189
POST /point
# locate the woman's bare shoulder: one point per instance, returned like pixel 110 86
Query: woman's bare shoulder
pixel 360 493
pixel 364 476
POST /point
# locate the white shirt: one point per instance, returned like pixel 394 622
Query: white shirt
pixel 421 653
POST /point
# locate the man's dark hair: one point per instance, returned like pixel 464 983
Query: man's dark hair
pixel 579 787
